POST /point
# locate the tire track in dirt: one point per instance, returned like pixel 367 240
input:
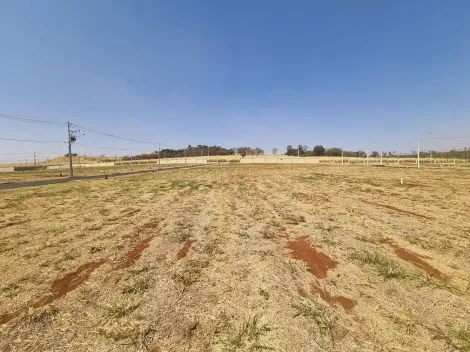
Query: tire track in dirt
pixel 59 288
pixel 391 207
pixel 70 281
pixel 416 260
pixel 184 250
pixel 134 254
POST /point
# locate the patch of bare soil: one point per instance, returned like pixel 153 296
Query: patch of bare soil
pixel 345 302
pixel 417 261
pixel 134 254
pixel 184 250
pixel 318 263
pixel 60 288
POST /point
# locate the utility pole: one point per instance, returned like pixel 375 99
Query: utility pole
pixel 381 152
pixel 298 151
pixel 367 156
pixel 418 153
pixel 158 154
pixel 342 157
pixel 184 156
pixel 70 150
pixel 34 158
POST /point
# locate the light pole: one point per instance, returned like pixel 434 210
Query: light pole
pixel 381 152
pixel 418 153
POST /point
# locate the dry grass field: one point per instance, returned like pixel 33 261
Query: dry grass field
pixel 239 258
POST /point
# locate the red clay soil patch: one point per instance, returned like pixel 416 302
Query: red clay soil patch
pixel 134 254
pixel 184 250
pixel 345 302
pixel 415 259
pixel 318 263
pixel 150 225
pixel 396 209
pixel 60 288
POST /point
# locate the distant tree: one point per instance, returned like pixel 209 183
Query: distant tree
pixel 304 149
pixel 258 151
pixel 289 150
pixel 319 150
pixel 274 150
pixel 333 152
pixel 361 154
pixel 374 154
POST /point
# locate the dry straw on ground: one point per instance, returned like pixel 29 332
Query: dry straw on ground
pixel 239 258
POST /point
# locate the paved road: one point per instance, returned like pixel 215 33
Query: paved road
pixel 79 178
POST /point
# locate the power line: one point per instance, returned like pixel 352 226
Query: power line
pixel 112 135
pixel 97 146
pixel 30 140
pixel 27 153
pixel 423 139
pixel 32 120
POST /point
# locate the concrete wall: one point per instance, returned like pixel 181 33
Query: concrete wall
pixel 7 169
pixel 286 160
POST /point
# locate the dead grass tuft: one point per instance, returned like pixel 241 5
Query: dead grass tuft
pixel 304 307
pixel 119 309
pixel 43 315
pixel 247 337
pixel 293 219
pixel 385 266
pixel 190 272
pixel 139 286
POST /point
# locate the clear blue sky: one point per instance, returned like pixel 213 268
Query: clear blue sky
pixel 259 73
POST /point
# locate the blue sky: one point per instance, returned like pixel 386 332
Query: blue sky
pixel 259 73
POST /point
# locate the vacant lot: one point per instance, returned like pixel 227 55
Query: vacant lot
pixel 239 258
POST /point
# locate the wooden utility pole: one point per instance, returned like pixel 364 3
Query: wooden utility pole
pixel 158 155
pixel 70 150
